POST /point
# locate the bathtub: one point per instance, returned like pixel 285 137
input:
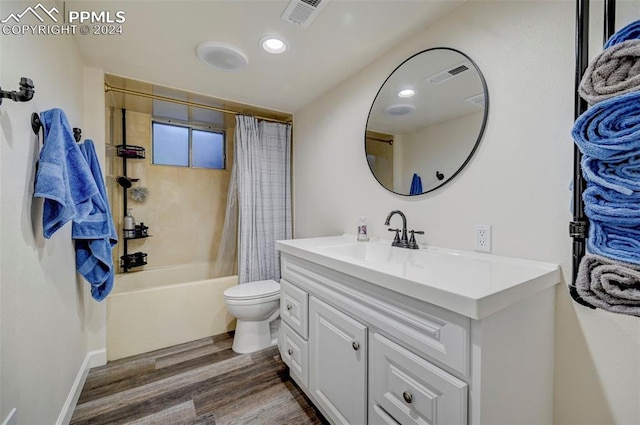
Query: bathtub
pixel 158 308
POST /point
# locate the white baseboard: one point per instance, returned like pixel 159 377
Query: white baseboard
pixel 92 359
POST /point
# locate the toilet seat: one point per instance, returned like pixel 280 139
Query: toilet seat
pixel 253 290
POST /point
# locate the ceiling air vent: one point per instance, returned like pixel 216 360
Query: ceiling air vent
pixel 303 12
pixel 449 73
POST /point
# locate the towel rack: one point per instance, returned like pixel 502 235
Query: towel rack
pixel 578 228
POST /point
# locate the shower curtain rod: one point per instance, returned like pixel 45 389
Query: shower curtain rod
pixel 108 88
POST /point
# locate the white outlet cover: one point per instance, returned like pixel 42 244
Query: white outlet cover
pixel 482 237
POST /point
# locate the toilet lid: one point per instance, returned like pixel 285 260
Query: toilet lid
pixel 250 290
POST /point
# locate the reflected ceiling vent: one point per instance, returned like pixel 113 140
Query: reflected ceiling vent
pixel 477 100
pixel 443 76
pixel 303 12
pixel 399 109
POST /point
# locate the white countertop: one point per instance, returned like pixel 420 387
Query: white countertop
pixel 473 284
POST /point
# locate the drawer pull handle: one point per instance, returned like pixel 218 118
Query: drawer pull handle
pixel 289 307
pixel 407 397
pixel 290 352
pixel 355 345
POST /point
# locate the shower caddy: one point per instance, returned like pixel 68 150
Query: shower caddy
pixel 125 151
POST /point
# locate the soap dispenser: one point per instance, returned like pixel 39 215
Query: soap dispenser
pixel 362 230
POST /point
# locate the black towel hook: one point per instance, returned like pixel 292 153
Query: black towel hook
pixel 77 134
pixel 25 93
pixel 36 124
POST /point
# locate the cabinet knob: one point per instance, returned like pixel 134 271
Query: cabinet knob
pixel 290 352
pixel 407 397
pixel 289 307
pixel 355 345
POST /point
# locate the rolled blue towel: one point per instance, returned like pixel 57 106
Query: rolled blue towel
pixel 622 176
pixel 619 242
pixel 613 72
pixel 609 284
pixel 629 32
pixel 611 207
pixel 610 130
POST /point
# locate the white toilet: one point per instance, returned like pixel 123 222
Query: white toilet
pixel 255 305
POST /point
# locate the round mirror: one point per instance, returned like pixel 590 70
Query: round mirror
pixel 426 121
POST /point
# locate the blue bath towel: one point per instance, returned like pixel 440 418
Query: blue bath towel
pixel 629 32
pixel 618 242
pixel 63 178
pixel 96 234
pixel 622 176
pixel 416 185
pixel 610 130
pixel 611 207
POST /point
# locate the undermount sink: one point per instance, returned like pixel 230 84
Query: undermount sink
pixel 473 284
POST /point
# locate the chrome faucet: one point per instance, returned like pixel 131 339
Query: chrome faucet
pixel 403 241
pixel 398 241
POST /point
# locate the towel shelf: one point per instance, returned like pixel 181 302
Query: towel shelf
pixel 130 151
pixel 140 232
pixel 137 259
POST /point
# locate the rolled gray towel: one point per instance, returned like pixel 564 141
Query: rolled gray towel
pixel 609 284
pixel 613 72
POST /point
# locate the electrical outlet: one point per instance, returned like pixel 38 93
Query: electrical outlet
pixel 483 237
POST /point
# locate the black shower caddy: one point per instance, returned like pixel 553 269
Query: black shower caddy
pixel 125 151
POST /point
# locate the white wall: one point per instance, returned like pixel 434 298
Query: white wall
pixel 49 322
pixel 517 182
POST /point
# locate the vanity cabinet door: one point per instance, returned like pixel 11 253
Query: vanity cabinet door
pixel 338 363
pixel 411 389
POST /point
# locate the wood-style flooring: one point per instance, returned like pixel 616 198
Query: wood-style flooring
pixel 200 382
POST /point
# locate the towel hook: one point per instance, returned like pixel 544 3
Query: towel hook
pixel 36 124
pixel 77 134
pixel 24 95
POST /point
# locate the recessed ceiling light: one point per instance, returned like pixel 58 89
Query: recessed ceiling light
pixel 406 93
pixel 222 56
pixel 273 45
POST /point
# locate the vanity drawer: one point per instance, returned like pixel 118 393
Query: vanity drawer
pixel 411 389
pixel 295 354
pixel 377 416
pixel 294 308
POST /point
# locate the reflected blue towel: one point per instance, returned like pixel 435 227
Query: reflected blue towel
pixel 416 185
pixel 610 130
pixel 623 176
pixel 629 32
pixel 63 178
pixel 96 234
pixel 618 242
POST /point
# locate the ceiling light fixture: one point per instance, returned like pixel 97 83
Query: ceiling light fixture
pixel 406 93
pixel 222 56
pixel 273 44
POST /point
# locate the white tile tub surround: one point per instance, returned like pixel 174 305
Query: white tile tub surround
pixel 162 307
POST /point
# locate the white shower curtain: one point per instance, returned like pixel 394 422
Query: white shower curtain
pixel 262 169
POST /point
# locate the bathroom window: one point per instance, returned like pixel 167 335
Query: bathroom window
pixel 185 145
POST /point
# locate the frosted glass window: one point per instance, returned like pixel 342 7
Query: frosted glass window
pixel 170 145
pixel 207 149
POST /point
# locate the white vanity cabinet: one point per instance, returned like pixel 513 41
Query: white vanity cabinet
pixel 381 335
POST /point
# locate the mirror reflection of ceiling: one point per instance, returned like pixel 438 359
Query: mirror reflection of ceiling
pixel 446 87
pixel 426 121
